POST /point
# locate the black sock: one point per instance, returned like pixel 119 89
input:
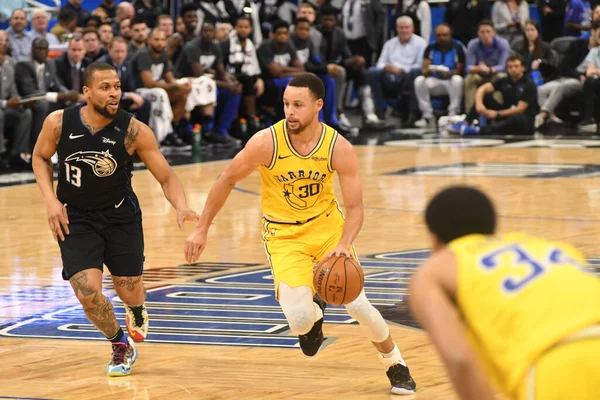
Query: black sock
pixel 118 337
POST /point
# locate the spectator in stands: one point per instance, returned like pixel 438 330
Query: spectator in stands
pixel 246 8
pixel 335 51
pixel 106 34
pixel 176 42
pixel 67 22
pixel 93 49
pixel 93 21
pixel 81 13
pixel 213 11
pixel 552 18
pixel 307 11
pixel 125 11
pixel 595 17
pixel 271 11
pixel 39 27
pixel 464 17
pixel 20 41
pixel 149 10
pixel 124 29
pixel 509 17
pixel 35 76
pixel 154 79
pixel 578 17
pixel 398 66
pixel 279 63
pixel 443 67
pixel 130 100
pixel 165 22
pixel 486 58
pixel 139 36
pixel 110 8
pixel 591 84
pixel 420 12
pixel 71 64
pixel 5 48
pixel 222 31
pixel 537 54
pixel 514 115
pixel 241 60
pixel 15 122
pixel 572 70
pixel 362 22
pixel 102 14
pixel 179 26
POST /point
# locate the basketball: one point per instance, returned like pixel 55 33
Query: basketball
pixel 338 280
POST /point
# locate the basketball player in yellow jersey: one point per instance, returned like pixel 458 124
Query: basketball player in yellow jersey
pixel 297 159
pixel 513 311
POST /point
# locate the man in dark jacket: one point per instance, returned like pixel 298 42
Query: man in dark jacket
pixel 464 17
pixel 71 64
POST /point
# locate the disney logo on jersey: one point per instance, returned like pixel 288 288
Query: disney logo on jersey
pixel 107 140
pixel 102 162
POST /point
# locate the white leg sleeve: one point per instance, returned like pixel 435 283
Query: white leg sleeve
pixel 299 308
pixel 369 318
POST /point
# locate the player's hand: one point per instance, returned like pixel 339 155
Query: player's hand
pixel 57 219
pixel 340 250
pixel 186 215
pixel 260 87
pixel 194 245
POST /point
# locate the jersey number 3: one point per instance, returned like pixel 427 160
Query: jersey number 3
pixel 73 175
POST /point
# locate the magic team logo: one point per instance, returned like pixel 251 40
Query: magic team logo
pixel 102 162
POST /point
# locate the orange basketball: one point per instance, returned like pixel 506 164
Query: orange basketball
pixel 338 280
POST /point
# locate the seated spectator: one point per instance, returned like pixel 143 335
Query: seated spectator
pixel 71 64
pixel 20 41
pixel 362 22
pixel 595 18
pixel 335 51
pixel 307 11
pixel 572 70
pixel 125 11
pixel 39 27
pixel 245 8
pixel 102 15
pixel 130 100
pixel 5 48
pixel 486 59
pixel 271 11
pixel 124 29
pixel 204 56
pixel 241 60
pixel 515 115
pixel 67 22
pixel 15 121
pixel 279 63
pixel 398 66
pixel 92 21
pixel 148 10
pixel 213 11
pixel 81 13
pixel 509 17
pixel 36 76
pixel 154 79
pixel 93 49
pixel 464 17
pixel 578 17
pixel 552 18
pixel 420 12
pixel 591 84
pixel 139 36
pixel 443 67
pixel 222 31
pixel 106 35
pixel 179 26
pixel 109 7
pixel 165 22
pixel 176 42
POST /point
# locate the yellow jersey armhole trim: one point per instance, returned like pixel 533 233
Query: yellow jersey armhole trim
pixel 275 147
pixel 330 154
pixel 294 152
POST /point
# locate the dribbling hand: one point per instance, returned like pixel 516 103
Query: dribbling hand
pixel 57 219
pixel 340 250
pixel 186 215
pixel 194 245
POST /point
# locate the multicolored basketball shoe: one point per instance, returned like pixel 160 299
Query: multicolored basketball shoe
pixel 402 382
pixel 123 357
pixel 136 319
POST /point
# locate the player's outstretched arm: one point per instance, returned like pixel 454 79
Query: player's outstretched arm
pixel 345 162
pixel 140 138
pixel 45 148
pixel 258 150
pixel 433 303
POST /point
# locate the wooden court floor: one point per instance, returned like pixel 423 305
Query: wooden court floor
pixel 566 208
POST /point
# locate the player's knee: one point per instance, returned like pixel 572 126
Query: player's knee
pixel 300 319
pixel 362 310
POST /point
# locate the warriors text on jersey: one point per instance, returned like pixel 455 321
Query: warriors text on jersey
pixel 95 169
pixel 520 295
pixel 296 188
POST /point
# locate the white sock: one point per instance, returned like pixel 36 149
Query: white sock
pixel 392 358
pixel 318 312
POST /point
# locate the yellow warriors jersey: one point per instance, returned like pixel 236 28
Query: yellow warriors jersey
pixel 296 187
pixel 520 295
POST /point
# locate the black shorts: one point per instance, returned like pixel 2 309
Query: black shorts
pixel 111 236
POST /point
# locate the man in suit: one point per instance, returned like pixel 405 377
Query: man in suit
pixel 362 21
pixel 36 76
pixel 130 100
pixel 70 66
pixel 14 120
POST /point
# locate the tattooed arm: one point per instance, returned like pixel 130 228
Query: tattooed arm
pixel 45 147
pixel 140 138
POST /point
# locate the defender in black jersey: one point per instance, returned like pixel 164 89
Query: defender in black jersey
pixel 95 213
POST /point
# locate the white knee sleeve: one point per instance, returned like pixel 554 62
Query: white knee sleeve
pixel 369 318
pixel 299 308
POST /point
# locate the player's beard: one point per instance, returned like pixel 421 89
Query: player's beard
pixel 295 131
pixel 104 111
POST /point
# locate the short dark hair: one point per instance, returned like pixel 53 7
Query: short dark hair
pixel 244 18
pixel 279 24
pixel 310 81
pixel 91 30
pixel 300 20
pixel 186 8
pixel 92 18
pixel 486 22
pixel 515 57
pixel 138 20
pixel 444 24
pixel 88 74
pixel 328 10
pixel 458 211
pixel 66 14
